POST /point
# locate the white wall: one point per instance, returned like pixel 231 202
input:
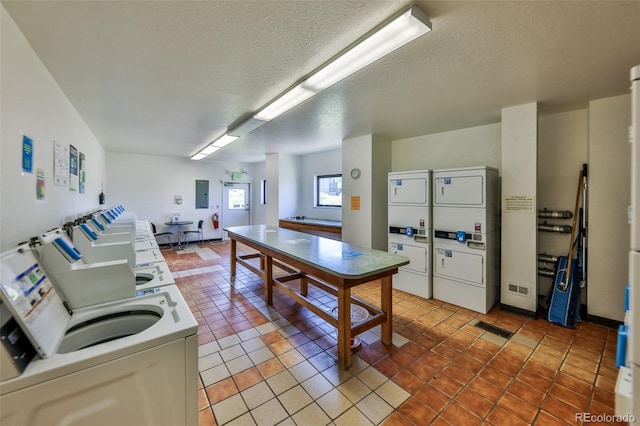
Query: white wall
pixel 562 149
pixel 609 198
pixel 475 146
pixel 259 210
pixel 148 184
pixel 311 165
pixel 366 226
pixel 356 224
pixel 282 172
pixel 33 103
pixel 519 228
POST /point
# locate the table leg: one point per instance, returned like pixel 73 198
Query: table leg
pixel 268 281
pixel 344 328
pixel 386 303
pixel 233 260
pixel 304 284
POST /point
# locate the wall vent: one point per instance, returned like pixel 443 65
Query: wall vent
pixel 519 290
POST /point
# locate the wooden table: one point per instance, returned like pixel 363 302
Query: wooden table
pixel 332 266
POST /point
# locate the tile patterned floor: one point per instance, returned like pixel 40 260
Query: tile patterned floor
pixel 267 365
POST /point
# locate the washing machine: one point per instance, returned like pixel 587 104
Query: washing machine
pixel 132 362
pixel 103 276
pixel 466 237
pixel 149 275
pixel 409 216
pixel 85 238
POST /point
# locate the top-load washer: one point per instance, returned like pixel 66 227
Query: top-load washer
pixel 132 362
pixel 149 275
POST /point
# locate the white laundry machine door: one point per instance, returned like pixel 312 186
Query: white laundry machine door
pixel 460 265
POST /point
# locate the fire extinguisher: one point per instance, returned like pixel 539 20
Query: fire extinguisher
pixel 216 222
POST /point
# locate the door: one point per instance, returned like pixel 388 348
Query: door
pixel 459 265
pixel 459 190
pixel 409 189
pixel 235 205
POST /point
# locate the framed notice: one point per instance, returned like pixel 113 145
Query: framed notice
pixel 82 176
pixel 60 164
pixel 27 154
pixel 40 184
pixel 73 169
pixel 355 202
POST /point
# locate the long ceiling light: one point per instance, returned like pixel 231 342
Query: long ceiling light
pixel 284 103
pixel 408 26
pixel 399 31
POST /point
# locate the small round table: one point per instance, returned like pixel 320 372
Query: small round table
pixel 179 225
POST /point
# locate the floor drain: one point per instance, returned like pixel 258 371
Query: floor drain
pixel 494 330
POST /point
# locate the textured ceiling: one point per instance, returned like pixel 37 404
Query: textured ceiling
pixel 168 77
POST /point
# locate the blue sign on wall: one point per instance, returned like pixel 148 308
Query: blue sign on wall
pixel 27 154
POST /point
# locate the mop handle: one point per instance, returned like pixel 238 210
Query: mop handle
pixel 565 284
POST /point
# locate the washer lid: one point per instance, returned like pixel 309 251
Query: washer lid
pixel 27 292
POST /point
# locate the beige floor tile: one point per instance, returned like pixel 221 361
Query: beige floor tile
pixel 270 413
pixel 372 378
pixel 303 371
pixel 317 386
pixel 354 389
pixel 295 399
pixel 352 417
pixel 311 415
pixel 334 403
pixel 393 394
pixel 374 408
pixel 281 382
pixel 257 395
pixel 228 409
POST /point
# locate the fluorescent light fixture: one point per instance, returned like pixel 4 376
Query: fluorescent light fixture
pixel 224 140
pixel 399 31
pixel 284 103
pixel 209 150
pixel 408 26
pixel 245 127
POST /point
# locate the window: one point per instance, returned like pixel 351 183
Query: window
pixel 237 199
pixel 263 191
pixel 329 191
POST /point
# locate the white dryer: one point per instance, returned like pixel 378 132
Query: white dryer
pixel 409 216
pixel 466 239
pixel 132 362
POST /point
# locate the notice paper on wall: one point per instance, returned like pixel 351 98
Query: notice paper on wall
pixel 518 204
pixel 40 184
pixel 355 202
pixel 60 164
pixel 73 168
pixel 27 154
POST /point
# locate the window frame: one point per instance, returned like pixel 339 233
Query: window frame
pixel 318 179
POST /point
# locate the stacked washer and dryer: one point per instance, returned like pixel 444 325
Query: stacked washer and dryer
pixel 447 223
pixel 409 216
pixel 130 361
pixel 466 237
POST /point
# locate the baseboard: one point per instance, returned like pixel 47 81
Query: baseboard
pixel 603 321
pixel 518 311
